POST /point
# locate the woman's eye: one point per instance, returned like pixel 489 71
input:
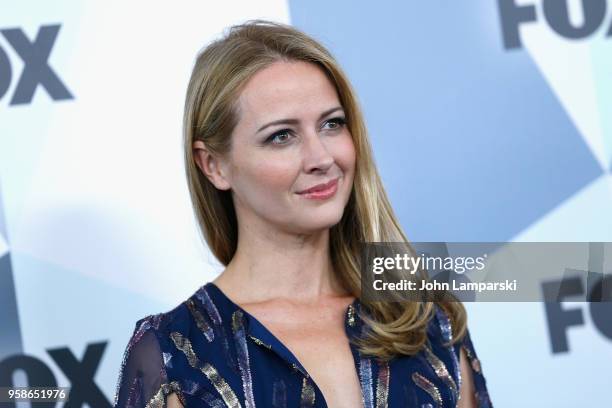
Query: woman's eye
pixel 336 123
pixel 279 137
pixel 283 136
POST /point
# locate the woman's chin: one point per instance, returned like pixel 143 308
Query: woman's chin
pixel 318 222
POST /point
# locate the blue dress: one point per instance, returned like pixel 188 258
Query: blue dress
pixel 212 353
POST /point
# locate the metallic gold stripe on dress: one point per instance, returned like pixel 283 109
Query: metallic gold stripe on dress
pixel 184 345
pixel 441 370
pixel 159 399
pixel 242 351
pixel 365 376
pixel 351 315
pixel 429 388
pixel 228 395
pixel 300 370
pixel 260 342
pixel 201 321
pixel 382 385
pixel 307 397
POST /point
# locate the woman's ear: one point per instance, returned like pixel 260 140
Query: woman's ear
pixel 210 165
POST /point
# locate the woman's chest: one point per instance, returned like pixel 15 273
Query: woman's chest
pixel 322 347
pixel 326 355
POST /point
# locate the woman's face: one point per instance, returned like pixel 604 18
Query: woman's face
pixel 291 136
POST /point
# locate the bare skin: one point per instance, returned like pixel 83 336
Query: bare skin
pixel 173 401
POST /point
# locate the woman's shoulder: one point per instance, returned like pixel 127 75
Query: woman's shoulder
pixel 153 365
pixel 162 323
pixel 179 319
pixel 189 328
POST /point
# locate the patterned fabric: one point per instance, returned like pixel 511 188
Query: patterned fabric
pixel 212 353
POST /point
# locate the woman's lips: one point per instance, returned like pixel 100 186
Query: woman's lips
pixel 323 192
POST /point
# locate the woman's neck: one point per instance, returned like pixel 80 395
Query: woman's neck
pixel 295 267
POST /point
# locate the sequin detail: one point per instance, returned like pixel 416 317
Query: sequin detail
pixel 184 345
pixel 447 335
pixel 259 342
pixel 467 351
pixel 307 397
pixel 365 375
pixel 429 388
pixel 476 365
pixel 242 352
pixel 298 368
pixel 441 371
pixel 474 362
pixel 159 399
pixel 222 386
pixel 201 321
pixel 351 315
pixel 279 394
pixel 382 385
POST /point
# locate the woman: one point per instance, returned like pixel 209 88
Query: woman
pixel 284 187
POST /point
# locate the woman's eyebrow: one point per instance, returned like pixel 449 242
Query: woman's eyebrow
pixel 295 121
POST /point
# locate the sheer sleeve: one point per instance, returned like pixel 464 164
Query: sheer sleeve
pixel 142 379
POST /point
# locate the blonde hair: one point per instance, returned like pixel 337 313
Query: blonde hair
pixel 221 70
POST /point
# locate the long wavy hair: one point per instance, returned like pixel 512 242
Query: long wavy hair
pixel 220 72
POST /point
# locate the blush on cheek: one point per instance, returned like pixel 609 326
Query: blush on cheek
pixel 345 154
pixel 272 174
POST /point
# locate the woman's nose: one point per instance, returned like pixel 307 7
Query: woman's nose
pixel 316 155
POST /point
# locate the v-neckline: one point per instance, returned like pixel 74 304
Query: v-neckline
pixel 258 330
